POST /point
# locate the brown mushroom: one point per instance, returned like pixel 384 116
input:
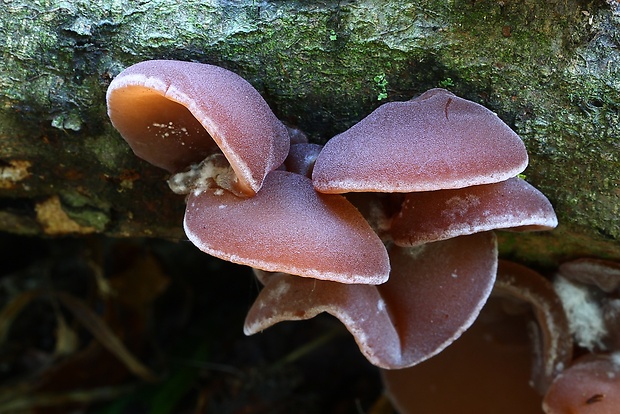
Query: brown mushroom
pixel 174 114
pixel 590 386
pixel 439 215
pixel 434 293
pixel 301 158
pixel 287 227
pixel 436 141
pixel 603 274
pixel 589 289
pixel 485 371
pixel 490 368
pixel 553 344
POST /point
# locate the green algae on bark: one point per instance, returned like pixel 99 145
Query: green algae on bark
pixel 549 69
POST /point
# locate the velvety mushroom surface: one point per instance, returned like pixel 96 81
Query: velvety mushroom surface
pixel 552 349
pixel 503 364
pixel 250 200
pixel 436 141
pixel 590 386
pixel 485 371
pixel 174 114
pixel 439 215
pixel 288 227
pixel 433 294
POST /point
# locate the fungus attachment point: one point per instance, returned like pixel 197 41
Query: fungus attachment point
pixel 288 227
pixel 213 172
pixel 174 114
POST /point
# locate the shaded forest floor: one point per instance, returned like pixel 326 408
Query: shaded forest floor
pixel 117 326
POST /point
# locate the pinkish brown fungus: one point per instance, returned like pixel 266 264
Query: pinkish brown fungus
pixel 589 289
pixel 553 344
pixel 424 306
pixel 174 114
pixel 288 227
pixel 434 142
pixel 489 368
pixel 301 158
pixel 590 386
pixel 603 274
pixel 216 133
pixel 485 371
pixel 439 215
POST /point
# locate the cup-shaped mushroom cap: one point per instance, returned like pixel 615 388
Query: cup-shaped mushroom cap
pixel 434 293
pixel 485 371
pixel 173 114
pixel 437 215
pixel 603 274
pixel 590 386
pixel 433 142
pixel 553 344
pixel 589 289
pixel 288 227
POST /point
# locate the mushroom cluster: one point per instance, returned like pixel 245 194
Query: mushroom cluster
pixel 590 294
pixel 388 227
pixel 556 346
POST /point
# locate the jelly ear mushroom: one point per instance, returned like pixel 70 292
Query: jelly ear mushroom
pixel 489 368
pixel 288 227
pixel 589 289
pixel 433 142
pixel 590 386
pixel 434 293
pixel 437 215
pixel 486 370
pixel 552 339
pixel 603 274
pixel 174 114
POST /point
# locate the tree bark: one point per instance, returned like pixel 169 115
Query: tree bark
pixel 550 69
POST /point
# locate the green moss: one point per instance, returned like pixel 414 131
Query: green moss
pixel 548 68
pixel 80 208
pixel 109 152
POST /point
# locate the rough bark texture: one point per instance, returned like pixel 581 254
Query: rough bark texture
pixel 550 69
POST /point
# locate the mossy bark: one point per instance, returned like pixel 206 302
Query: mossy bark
pixel 550 69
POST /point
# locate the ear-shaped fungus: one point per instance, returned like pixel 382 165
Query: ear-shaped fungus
pixel 488 369
pixel 433 294
pixel 436 141
pixel 174 114
pixel 288 227
pixel 603 274
pixel 485 371
pixel 553 343
pixel 590 386
pixel 589 289
pixel 439 215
